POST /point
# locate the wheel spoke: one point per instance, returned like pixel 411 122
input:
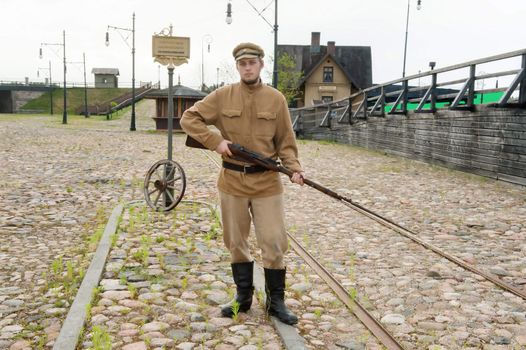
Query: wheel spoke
pixel 172 181
pixel 152 191
pixel 170 195
pixel 156 199
pixel 156 173
pixel 171 172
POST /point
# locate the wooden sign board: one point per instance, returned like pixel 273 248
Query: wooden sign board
pixel 170 46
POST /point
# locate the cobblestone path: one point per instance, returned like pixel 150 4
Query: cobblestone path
pixel 166 273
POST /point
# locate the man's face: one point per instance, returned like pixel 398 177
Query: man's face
pixel 249 69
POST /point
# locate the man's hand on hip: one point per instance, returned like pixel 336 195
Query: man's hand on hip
pixel 223 149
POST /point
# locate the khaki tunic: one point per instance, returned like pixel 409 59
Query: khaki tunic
pixel 256 117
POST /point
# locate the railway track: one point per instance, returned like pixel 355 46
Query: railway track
pixel 360 312
pixel 374 326
pixel 409 234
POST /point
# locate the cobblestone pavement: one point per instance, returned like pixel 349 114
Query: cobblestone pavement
pixel 167 273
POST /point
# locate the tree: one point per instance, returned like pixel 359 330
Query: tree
pixel 209 89
pixel 288 77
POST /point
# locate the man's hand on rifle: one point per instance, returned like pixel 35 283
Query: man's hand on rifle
pixel 298 178
pixel 223 149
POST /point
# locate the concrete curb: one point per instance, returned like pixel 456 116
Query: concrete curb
pixel 289 334
pixel 74 322
pixel 72 326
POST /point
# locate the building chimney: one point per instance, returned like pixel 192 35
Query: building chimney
pixel 315 43
pixel 331 48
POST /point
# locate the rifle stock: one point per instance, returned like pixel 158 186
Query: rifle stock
pixel 193 143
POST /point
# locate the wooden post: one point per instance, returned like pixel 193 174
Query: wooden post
pixel 471 93
pixel 433 92
pixel 404 97
pixel 382 103
pixel 522 91
pixel 365 105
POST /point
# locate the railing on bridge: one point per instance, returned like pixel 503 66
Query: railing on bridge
pixel 397 96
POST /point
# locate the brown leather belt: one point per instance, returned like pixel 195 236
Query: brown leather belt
pixel 247 169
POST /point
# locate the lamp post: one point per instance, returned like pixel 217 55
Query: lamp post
pixel 208 39
pixel 274 29
pixel 432 65
pixel 86 115
pixel 86 112
pixel 159 76
pixel 50 87
pixel 132 124
pixel 418 7
pixel 65 114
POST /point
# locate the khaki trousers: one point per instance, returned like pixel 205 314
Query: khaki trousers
pixel 269 223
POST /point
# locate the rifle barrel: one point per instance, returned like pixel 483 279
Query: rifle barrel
pixel 271 164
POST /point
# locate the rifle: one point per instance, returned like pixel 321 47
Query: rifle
pixel 258 159
pixel 271 164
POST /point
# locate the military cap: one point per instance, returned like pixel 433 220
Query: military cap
pixel 247 50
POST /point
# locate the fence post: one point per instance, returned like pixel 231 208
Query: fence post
pixel 404 98
pixel 522 91
pixel 471 93
pixel 433 92
pixel 349 111
pixel 382 103
pixel 365 105
pixel 329 116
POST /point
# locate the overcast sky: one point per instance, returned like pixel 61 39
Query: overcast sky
pixel 445 31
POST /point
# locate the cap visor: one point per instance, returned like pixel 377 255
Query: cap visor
pixel 246 55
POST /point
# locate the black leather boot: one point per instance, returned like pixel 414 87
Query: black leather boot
pixel 275 288
pixel 243 277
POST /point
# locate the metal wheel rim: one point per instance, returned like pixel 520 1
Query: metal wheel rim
pixel 165 179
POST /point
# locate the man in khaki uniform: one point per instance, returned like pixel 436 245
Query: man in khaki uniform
pixel 255 116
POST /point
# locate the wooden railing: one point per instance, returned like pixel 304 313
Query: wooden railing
pixel 394 96
pixel 120 102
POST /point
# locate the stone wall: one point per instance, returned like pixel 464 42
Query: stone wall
pixel 488 141
pixel 20 98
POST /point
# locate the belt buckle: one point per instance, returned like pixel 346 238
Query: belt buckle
pixel 245 167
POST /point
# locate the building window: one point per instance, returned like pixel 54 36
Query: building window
pixel 326 99
pixel 328 74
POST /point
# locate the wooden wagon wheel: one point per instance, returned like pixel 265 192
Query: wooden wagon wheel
pixel 164 185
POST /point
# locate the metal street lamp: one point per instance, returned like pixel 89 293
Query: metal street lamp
pixel 86 114
pixel 50 86
pixel 228 13
pixel 274 29
pixel 65 114
pixel 132 125
pixel 208 39
pixel 418 7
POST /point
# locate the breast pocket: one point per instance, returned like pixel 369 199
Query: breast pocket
pixel 266 123
pixel 231 120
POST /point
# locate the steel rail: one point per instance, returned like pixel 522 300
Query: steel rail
pixel 354 306
pixel 411 235
pixel 407 233
pixel 273 165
